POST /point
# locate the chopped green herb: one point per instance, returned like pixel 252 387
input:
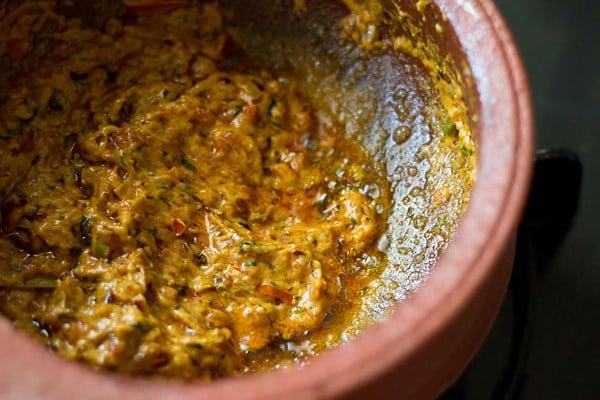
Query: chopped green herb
pixel 148 252
pixel 256 247
pixel 100 248
pixel 85 229
pixel 39 282
pixel 187 164
pixel 237 111
pixel 69 141
pixel 322 201
pixel 164 200
pixel 247 245
pixel 251 263
pixel 272 105
pixel 466 151
pixel 54 103
pixel 450 128
pixel 67 316
pixel 137 325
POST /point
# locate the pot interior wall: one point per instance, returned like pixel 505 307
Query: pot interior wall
pixel 389 101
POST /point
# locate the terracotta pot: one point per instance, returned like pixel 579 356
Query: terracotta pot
pixel 425 344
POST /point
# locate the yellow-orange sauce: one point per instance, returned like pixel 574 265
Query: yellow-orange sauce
pixel 165 212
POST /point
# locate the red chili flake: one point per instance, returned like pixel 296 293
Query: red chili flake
pixel 178 227
pixel 278 293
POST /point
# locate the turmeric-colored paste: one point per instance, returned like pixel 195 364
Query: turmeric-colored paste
pixel 165 211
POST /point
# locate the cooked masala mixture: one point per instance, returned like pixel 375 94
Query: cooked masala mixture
pixel 168 207
pixel 165 212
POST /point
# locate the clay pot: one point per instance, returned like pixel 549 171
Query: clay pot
pixel 425 344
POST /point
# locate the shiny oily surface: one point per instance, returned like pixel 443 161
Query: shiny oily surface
pixel 169 211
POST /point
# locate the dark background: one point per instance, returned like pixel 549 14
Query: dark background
pixel 560 45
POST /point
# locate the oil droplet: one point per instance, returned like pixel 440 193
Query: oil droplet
pixel 404 251
pixel 432 255
pixel 400 94
pixel 413 171
pixel 388 296
pixel 417 192
pixel 392 284
pixel 420 222
pixel 419 258
pixel 401 112
pixel 401 134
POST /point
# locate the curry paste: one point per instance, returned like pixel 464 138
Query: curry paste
pixel 166 211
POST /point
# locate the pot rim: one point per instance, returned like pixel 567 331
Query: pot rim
pixel 488 225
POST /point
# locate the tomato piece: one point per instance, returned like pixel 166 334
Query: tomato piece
pixel 178 226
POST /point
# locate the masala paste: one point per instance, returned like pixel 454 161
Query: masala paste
pixel 166 211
